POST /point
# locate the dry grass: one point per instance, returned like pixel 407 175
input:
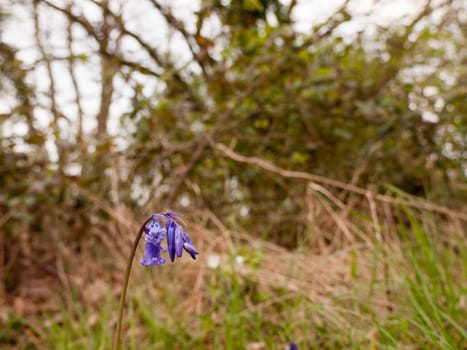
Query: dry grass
pixel 344 263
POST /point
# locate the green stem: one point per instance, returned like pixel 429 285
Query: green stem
pixel 118 331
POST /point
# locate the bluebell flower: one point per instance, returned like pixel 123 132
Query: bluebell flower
pixel 177 240
pixel 292 346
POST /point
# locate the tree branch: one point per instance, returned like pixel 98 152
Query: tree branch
pixel 167 66
pixel 74 81
pixel 300 175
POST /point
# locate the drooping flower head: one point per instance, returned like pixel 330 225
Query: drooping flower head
pixel 292 346
pixel 161 226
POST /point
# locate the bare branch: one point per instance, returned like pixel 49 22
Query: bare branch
pixel 333 22
pixel 201 59
pixel 168 66
pixel 413 202
pixel 290 8
pixel 108 70
pixel 74 81
pixel 102 50
pixel 52 94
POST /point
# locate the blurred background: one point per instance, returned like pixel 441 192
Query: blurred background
pixel 316 151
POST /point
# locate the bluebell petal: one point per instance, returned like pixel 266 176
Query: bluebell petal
pixel 191 250
pixel 178 240
pixel 186 238
pixel 170 226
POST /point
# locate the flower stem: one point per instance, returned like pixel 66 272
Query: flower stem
pixel 118 331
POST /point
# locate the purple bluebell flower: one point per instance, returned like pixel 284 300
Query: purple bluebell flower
pixel 292 346
pixel 177 239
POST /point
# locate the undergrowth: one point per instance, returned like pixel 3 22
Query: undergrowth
pixel 407 291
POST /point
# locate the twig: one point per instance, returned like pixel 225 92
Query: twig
pixel 52 95
pixel 74 81
pixel 102 50
pixel 261 163
pixel 180 27
pixel 155 55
